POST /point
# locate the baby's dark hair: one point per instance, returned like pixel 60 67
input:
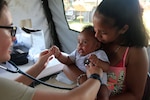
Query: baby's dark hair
pixel 2 4
pixel 126 12
pixel 88 28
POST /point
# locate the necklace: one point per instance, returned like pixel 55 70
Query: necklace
pixel 117 49
pixel 113 53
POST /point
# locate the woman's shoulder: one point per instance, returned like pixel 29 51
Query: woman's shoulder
pixel 137 50
pixel 137 55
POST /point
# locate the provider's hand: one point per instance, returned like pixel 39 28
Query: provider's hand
pixel 44 57
pixel 93 59
pixel 93 69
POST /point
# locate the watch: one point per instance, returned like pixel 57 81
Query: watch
pixel 96 76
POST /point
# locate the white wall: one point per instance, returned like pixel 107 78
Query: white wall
pixel 33 10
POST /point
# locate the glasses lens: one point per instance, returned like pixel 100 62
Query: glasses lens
pixel 13 31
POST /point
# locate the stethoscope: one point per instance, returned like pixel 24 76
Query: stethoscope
pixel 17 70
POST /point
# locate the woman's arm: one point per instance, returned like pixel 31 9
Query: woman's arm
pixel 87 91
pixel 136 75
pixel 36 69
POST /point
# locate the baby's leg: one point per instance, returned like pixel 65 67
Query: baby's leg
pixel 103 93
pixel 72 72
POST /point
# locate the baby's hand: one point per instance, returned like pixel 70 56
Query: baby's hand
pixel 55 51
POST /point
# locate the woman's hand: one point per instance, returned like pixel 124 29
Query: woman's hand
pixel 91 69
pixel 37 68
pixel 44 57
pixel 93 59
pixel 99 63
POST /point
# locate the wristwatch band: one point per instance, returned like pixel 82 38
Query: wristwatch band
pixel 96 76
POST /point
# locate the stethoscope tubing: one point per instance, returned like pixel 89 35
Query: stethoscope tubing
pixel 29 76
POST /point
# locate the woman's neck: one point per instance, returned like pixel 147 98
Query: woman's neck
pixel 111 48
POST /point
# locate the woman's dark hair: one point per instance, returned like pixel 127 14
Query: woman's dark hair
pixel 126 12
pixel 2 4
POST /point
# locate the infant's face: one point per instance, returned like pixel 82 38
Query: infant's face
pixel 87 44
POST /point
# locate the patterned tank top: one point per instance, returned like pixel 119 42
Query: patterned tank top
pixel 116 76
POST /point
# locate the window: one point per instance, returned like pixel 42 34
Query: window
pixel 80 12
pixel 146 13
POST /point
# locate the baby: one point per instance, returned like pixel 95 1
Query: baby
pixel 88 47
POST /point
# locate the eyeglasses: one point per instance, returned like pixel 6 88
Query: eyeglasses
pixel 12 29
